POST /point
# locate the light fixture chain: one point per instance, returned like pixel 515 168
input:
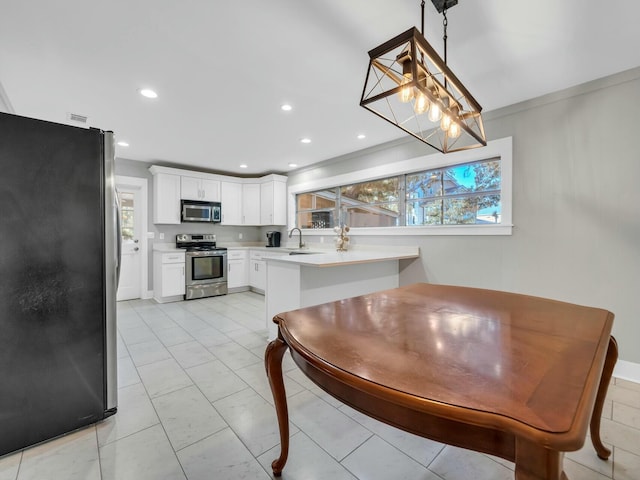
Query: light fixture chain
pixel 445 22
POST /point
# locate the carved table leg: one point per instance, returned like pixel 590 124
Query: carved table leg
pixel 273 363
pixel 609 362
pixel 534 462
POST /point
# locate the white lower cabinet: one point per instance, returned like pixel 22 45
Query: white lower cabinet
pixel 168 276
pixel 257 271
pixel 258 267
pixel 172 279
pixel 237 269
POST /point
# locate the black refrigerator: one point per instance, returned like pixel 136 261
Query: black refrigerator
pixel 59 264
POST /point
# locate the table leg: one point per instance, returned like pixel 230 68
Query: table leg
pixel 607 371
pixel 534 462
pixel 273 363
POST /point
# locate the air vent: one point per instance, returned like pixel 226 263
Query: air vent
pixel 74 117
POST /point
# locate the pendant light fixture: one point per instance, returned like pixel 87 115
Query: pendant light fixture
pixel 410 86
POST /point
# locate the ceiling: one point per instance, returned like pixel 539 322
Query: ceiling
pixel 223 69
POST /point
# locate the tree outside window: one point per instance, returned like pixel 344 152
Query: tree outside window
pixel 461 194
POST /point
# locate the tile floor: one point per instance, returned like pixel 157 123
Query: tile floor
pixel 194 403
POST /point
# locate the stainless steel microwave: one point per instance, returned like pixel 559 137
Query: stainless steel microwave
pixel 195 211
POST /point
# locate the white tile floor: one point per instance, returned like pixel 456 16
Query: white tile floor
pixel 194 403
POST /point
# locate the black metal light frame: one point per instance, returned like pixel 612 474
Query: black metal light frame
pixel 408 61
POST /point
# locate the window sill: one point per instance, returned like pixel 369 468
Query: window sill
pixel 418 230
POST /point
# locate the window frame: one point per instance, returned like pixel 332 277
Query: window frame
pixel 502 148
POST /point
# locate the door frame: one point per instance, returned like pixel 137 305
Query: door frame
pixel 141 184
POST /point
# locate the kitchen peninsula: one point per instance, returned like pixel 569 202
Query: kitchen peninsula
pixel 296 281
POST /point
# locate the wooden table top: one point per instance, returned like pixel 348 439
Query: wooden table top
pixel 528 364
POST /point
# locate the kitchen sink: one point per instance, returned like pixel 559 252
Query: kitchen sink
pixel 301 252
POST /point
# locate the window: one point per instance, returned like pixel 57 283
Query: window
pixel 126 215
pixel 372 204
pixel 457 195
pixel 316 209
pixel 464 193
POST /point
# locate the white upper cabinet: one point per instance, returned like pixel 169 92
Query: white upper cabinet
pixel 166 198
pixel 251 204
pixel 273 201
pixel 202 189
pixel 231 200
pixel 245 201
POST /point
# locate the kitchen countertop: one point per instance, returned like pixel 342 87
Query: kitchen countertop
pixel 167 248
pixel 171 247
pixel 331 258
pixel 321 256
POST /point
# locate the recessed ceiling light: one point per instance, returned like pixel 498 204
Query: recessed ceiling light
pixel 305 140
pixel 361 136
pixel 123 144
pixel 286 107
pixel 147 92
pixel 293 165
pixel 244 165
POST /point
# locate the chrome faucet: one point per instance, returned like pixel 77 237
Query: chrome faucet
pixel 300 232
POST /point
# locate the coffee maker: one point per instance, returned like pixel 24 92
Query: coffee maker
pixel 273 239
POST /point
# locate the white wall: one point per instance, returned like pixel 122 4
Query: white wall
pixel 576 194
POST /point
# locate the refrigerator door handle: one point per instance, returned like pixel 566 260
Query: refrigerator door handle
pixel 118 237
pixel 112 270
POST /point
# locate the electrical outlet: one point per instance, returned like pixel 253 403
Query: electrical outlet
pixel 240 236
pixel 161 236
pixel 151 234
pixel 321 239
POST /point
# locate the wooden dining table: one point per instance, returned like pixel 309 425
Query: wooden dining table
pixel 511 375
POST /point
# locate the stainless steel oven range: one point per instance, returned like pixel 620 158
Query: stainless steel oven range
pixel 206 265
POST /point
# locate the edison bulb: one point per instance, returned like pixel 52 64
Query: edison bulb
pixel 445 123
pixel 454 130
pixel 406 92
pixel 434 112
pixel 421 104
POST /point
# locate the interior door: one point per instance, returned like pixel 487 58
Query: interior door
pixel 131 232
